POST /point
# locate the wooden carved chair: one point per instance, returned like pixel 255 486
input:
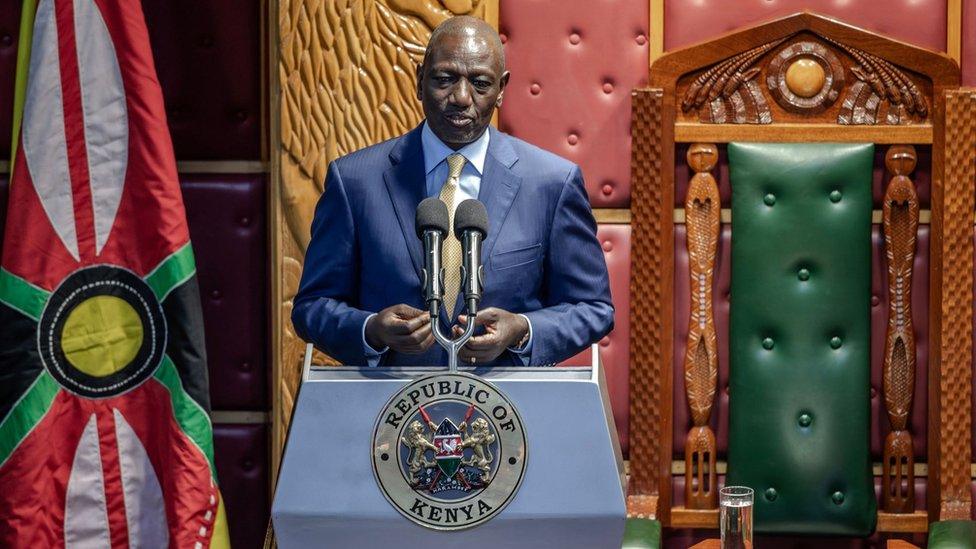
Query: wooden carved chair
pixel 803 111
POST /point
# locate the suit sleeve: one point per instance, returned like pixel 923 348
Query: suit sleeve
pixel 325 308
pixel 576 290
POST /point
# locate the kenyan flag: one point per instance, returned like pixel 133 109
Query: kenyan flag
pixel 105 439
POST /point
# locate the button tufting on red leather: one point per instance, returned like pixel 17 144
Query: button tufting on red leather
pixel 566 44
pixel 232 273
pixel 607 189
pixel 535 88
pixel 572 139
pixel 921 22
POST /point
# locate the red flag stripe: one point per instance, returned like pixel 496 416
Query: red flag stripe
pixel 112 476
pixel 74 130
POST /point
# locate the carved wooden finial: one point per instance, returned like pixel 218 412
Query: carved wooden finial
pixel 702 157
pixel 900 159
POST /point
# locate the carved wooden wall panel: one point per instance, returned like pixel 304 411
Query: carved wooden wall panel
pixel 809 78
pixel 650 341
pixel 956 341
pixel 342 78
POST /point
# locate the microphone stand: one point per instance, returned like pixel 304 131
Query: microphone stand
pixel 453 346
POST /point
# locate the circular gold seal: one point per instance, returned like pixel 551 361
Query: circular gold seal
pixel 449 451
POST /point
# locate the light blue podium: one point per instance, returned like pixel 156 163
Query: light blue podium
pixel 572 494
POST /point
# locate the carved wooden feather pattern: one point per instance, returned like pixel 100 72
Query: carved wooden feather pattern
pixel 880 84
pixel 702 207
pixel 900 220
pixel 713 91
pixel 346 76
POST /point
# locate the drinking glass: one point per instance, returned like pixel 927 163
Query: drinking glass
pixel 735 520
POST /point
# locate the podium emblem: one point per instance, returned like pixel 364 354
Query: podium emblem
pixel 449 451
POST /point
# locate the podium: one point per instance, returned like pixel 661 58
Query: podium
pixel 572 494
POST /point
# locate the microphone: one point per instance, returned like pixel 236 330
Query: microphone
pixel 432 226
pixel 471 227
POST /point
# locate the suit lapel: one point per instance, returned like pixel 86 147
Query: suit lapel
pixel 499 186
pixel 406 183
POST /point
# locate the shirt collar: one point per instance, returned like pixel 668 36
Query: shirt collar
pixel 435 151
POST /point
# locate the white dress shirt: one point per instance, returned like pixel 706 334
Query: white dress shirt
pixel 469 185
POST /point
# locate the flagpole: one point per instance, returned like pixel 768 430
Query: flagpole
pixel 20 79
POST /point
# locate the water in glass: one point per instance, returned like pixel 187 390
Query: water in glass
pixel 735 521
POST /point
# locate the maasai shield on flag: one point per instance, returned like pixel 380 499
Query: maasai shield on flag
pixel 105 440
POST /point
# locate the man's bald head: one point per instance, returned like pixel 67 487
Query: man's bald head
pixel 461 79
pixel 470 28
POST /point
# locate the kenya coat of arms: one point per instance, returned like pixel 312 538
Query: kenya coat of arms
pixel 453 473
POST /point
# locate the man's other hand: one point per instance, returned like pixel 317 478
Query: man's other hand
pixel 502 330
pixel 401 328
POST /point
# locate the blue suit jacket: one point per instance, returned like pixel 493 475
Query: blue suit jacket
pixel 541 256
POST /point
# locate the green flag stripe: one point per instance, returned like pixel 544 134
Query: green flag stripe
pixel 21 295
pixel 192 418
pixel 172 271
pixel 23 62
pixel 26 413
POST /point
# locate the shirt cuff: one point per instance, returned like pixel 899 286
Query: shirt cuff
pixel 372 355
pixel 525 352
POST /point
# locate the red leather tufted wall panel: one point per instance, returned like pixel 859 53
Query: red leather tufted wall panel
pixel 241 455
pixel 227 224
pixel 879 420
pixel 9 31
pixel 919 22
pixel 208 58
pixel 968 61
pixel 921 176
pixel 573 66
pixel 615 348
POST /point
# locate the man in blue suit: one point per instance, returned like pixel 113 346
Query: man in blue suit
pixel 546 294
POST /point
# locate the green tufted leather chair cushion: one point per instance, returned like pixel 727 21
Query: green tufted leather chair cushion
pixel 642 534
pixel 800 335
pixel 953 534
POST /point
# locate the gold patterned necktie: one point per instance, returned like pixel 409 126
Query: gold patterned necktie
pixel 451 255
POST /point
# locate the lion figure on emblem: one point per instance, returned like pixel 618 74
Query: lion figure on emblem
pixel 418 445
pixel 479 441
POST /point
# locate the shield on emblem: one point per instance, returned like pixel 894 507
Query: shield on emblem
pixel 447 440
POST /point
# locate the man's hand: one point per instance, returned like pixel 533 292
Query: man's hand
pixel 401 328
pixel 502 330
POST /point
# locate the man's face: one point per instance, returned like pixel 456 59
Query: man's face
pixel 460 83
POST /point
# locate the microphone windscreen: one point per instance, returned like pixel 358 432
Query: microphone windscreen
pixel 432 216
pixel 470 214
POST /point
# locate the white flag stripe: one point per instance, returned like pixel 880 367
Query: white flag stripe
pixel 85 515
pixel 145 510
pixel 105 116
pixel 43 128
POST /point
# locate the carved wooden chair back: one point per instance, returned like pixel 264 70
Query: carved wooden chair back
pixel 803 78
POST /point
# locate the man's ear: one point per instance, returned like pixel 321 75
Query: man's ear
pixel 420 82
pixel 501 88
